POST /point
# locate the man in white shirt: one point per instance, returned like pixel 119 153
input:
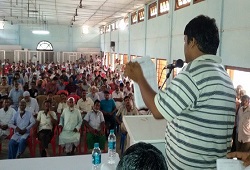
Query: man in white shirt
pixel 46 120
pixel 84 104
pixel 22 121
pixel 6 113
pixel 117 95
pixel 95 123
pixel 243 124
pixel 70 122
pixel 31 103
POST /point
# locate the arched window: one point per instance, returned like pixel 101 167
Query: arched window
pixel 44 46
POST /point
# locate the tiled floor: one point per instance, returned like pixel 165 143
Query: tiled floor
pixel 26 154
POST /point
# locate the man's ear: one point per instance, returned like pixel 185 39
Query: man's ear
pixel 192 43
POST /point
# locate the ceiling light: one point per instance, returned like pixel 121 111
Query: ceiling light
pixel 40 32
pixel 85 29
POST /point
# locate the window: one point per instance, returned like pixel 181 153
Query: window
pixel 108 28
pixel 181 3
pixel 161 72
pixel 152 10
pixel 1 25
pixel 134 18
pixel 102 30
pixel 239 76
pixel 113 27
pixel 44 46
pixel 117 24
pixel 125 59
pixel 163 7
pixel 141 15
pixel 126 21
pixel 196 1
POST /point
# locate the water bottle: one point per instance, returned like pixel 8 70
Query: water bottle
pixel 111 147
pixel 96 157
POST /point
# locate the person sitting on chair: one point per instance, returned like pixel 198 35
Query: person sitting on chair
pixel 94 121
pixel 124 110
pixel 70 122
pixel 46 120
pixel 6 113
pixel 142 156
pixel 22 121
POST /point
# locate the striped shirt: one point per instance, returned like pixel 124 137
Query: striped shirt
pixel 199 105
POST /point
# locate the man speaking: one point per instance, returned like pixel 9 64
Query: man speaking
pixel 199 104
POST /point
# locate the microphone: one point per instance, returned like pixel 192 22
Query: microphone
pixel 178 63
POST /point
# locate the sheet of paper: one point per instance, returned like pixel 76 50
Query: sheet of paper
pixel 230 164
pixel 149 71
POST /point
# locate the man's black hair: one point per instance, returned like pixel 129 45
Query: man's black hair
pixel 204 30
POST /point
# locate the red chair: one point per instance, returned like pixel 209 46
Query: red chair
pixel 30 141
pixel 52 142
pixel 78 147
pixel 8 137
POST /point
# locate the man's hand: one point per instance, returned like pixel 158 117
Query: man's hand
pixel 21 132
pixel 102 132
pixel 4 127
pixel 133 71
pixel 244 156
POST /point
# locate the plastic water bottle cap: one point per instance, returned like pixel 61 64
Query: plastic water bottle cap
pixel 112 131
pixel 96 145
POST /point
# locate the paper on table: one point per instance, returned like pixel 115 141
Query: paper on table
pixel 149 71
pixel 230 164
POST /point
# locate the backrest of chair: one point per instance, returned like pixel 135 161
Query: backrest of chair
pixel 40 100
pixel 57 98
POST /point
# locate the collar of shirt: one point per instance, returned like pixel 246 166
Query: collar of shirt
pixel 213 58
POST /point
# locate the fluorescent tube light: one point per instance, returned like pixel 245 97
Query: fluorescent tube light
pixel 41 32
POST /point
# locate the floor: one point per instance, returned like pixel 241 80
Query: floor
pixel 26 154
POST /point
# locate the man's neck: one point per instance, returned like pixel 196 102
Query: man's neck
pixel 6 109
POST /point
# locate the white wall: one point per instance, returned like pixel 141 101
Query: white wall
pixel 62 37
pixel 165 39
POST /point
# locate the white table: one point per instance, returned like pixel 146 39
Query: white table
pixel 145 128
pixel 79 162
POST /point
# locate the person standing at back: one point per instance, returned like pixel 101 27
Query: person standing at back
pixel 199 104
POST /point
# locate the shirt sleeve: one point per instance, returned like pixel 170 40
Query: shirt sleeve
pixel 86 117
pixel 32 122
pixel 54 115
pixel 180 94
pixel 39 116
pixel 59 108
pixel 102 117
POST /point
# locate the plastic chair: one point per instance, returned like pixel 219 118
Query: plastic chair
pixel 52 142
pixel 8 137
pixel 78 147
pixel 30 141
pixel 122 142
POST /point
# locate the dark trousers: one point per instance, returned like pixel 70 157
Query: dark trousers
pixel 110 122
pixel 45 136
pixel 234 137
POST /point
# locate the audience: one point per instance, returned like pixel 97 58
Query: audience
pixel 243 126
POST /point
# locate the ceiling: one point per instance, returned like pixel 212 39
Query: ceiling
pixel 93 13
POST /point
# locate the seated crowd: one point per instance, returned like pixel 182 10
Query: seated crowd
pixel 42 99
